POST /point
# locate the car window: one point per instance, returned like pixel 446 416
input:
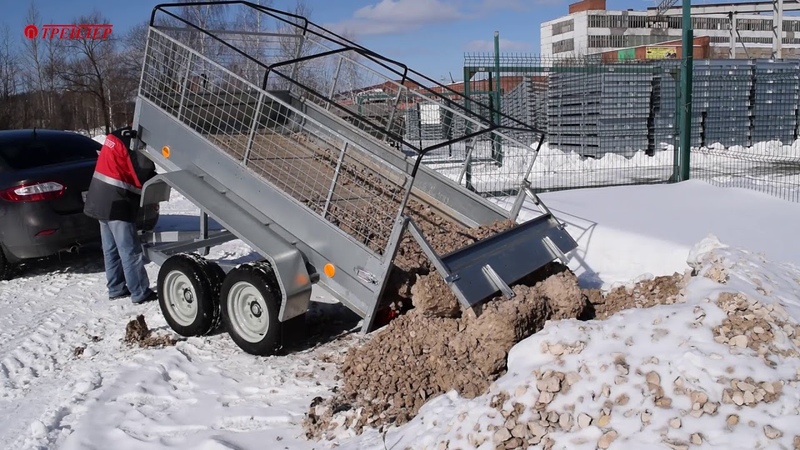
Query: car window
pixel 47 150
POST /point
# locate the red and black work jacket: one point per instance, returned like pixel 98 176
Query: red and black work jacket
pixel 116 186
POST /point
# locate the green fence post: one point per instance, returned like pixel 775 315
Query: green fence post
pixel 498 150
pixel 686 91
pixel 468 126
pixel 676 74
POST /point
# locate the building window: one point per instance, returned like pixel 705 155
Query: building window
pixel 608 21
pixel 637 22
pixel 791 25
pixel 566 45
pixel 754 24
pixel 750 40
pixel 625 41
pixel 675 22
pixel 606 41
pixel 563 27
pixel 710 23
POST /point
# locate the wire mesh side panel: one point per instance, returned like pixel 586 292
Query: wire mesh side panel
pixel 450 129
pixel 748 113
pixel 335 179
pixel 378 96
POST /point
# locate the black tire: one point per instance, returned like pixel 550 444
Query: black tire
pixel 5 266
pixel 250 301
pixel 216 276
pixel 188 295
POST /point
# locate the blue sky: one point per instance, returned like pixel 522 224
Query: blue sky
pixel 430 36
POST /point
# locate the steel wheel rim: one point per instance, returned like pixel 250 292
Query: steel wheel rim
pixel 181 301
pixel 248 312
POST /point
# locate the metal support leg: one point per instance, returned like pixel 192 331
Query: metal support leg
pixel 253 128
pixel 543 208
pixel 332 91
pixel 204 232
pixel 519 201
pixel 184 86
pixel 394 110
pixel 333 182
pixel 467 161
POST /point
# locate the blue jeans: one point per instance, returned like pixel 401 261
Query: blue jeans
pixel 124 260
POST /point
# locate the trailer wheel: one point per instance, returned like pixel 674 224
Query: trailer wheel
pixel 187 294
pixel 216 276
pixel 5 265
pixel 250 302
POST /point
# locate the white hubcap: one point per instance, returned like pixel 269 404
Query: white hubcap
pixel 247 310
pixel 181 298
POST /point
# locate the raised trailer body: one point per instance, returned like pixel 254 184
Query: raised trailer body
pixel 315 188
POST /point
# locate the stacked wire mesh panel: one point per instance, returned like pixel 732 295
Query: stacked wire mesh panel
pixel 775 103
pixel 527 102
pixel 665 106
pixel 520 103
pixel 599 110
pixel 721 92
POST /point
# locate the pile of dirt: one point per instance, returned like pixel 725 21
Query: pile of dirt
pixel 411 263
pixel 662 290
pixel 137 332
pixel 435 348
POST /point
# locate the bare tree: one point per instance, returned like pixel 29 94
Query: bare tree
pixel 88 68
pixel 34 74
pixel 126 71
pixel 8 79
pixel 312 73
pixel 252 40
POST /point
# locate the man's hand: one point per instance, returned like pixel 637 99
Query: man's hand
pixel 129 133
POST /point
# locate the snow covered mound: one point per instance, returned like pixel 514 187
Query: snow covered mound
pixel 717 369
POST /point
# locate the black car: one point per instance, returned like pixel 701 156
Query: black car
pixel 44 176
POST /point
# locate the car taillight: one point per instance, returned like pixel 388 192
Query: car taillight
pixel 33 192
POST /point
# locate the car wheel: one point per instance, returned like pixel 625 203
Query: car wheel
pixel 5 266
pixel 188 293
pixel 250 301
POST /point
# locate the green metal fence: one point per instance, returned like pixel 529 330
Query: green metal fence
pixel 618 123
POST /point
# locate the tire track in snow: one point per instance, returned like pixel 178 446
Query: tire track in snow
pixel 41 352
pixel 40 325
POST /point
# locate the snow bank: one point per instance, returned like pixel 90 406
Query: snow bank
pixel 670 375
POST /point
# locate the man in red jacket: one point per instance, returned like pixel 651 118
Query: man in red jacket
pixel 113 199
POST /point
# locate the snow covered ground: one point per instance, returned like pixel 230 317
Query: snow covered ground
pixel 67 380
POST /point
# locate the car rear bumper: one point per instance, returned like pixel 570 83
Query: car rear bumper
pixel 29 234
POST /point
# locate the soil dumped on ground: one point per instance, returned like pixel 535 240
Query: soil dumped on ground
pixel 137 332
pixel 410 263
pixel 663 290
pixel 436 347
